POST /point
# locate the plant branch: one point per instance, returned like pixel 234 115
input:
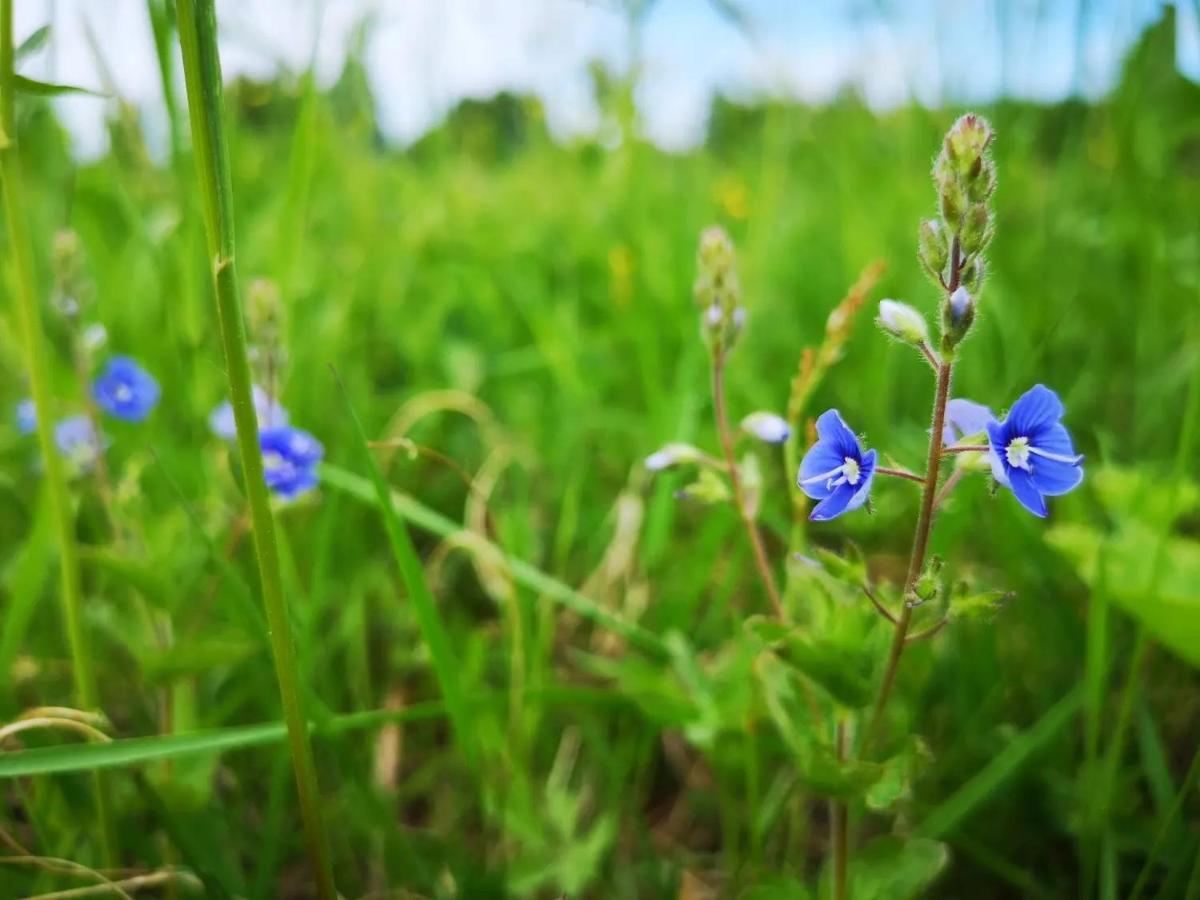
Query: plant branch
pixel 900 473
pixel 735 479
pixel 919 549
pixel 202 71
pixel 883 610
pixel 931 357
pixel 966 448
pixel 928 632
pixel 839 824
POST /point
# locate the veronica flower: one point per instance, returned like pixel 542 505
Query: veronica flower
pixel 267 412
pixel 1031 451
pixel 125 390
pixel 767 427
pixel 26 417
pixel 290 458
pixel 965 418
pixel 77 440
pixel 835 470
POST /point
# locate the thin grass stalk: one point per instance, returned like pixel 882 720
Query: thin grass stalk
pixel 87 696
pixel 202 74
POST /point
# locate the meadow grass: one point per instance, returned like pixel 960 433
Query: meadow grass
pixel 521 658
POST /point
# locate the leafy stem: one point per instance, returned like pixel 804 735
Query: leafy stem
pixel 735 480
pixel 920 547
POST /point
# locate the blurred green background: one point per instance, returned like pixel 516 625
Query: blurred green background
pixel 542 288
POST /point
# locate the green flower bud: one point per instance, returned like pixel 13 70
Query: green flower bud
pixel 966 142
pixel 933 248
pixel 972 275
pixel 952 203
pixel 977 228
pixel 981 185
pixel 958 314
pixel 902 321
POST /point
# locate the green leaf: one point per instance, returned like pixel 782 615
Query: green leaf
pixel 32 44
pixel 25 581
pixel 964 605
pixel 709 487
pixel 49 89
pixel 893 868
pixel 841 671
pixel 1172 612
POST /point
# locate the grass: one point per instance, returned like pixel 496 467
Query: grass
pixel 522 659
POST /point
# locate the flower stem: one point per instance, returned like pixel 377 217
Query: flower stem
pixel 739 498
pixel 920 547
pixel 202 74
pixel 900 473
pixel 86 694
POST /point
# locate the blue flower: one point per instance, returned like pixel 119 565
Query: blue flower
pixel 835 470
pixel 290 458
pixel 267 412
pixel 125 390
pixel 1032 452
pixel 26 417
pixel 77 440
pixel 965 418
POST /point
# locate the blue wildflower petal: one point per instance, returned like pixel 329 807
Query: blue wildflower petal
pixel 836 503
pixel 964 417
pixel 1038 408
pixel 1053 478
pixel 1026 491
pixel 997 433
pixel 820 459
pixel 26 417
pixel 866 476
pixel 125 390
pixel 833 430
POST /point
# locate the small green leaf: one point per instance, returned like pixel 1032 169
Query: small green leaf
pixel 709 487
pixel 894 868
pixel 849 568
pixel 49 89
pixel 841 671
pixel 32 44
pixel 964 605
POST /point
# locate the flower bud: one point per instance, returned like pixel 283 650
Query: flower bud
pixel 952 203
pixel 932 247
pixel 972 275
pixel 672 455
pixel 767 427
pixel 976 229
pixel 902 321
pixel 958 312
pixel 966 141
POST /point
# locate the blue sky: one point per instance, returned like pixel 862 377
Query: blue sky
pixel 424 55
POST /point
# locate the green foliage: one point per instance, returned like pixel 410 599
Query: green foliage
pixel 520 311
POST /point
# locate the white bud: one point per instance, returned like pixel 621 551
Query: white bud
pixel 902 321
pixel 672 455
pixel 767 427
pixel 94 337
pixel 960 302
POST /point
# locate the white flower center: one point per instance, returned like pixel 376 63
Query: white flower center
pixel 273 461
pixel 123 393
pixel 1017 453
pixel 849 472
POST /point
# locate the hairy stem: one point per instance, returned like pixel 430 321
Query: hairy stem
pixel 900 473
pixel 916 562
pixel 202 72
pixel 39 382
pixel 739 498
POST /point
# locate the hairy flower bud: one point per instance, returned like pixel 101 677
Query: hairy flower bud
pixel 976 229
pixel 933 248
pixel 767 427
pixel 902 321
pixel 958 313
pixel 717 290
pixel 672 455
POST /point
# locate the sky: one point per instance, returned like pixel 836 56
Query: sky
pixel 423 56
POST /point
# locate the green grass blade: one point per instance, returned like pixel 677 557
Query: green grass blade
pixel 428 520
pixel 1003 767
pixel 429 616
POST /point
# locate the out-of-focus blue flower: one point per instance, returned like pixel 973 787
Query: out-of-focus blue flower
pixel 26 417
pixel 965 418
pixel 267 411
pixel 1032 453
pixel 290 458
pixel 78 442
pixel 767 427
pixel 835 470
pixel 125 390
